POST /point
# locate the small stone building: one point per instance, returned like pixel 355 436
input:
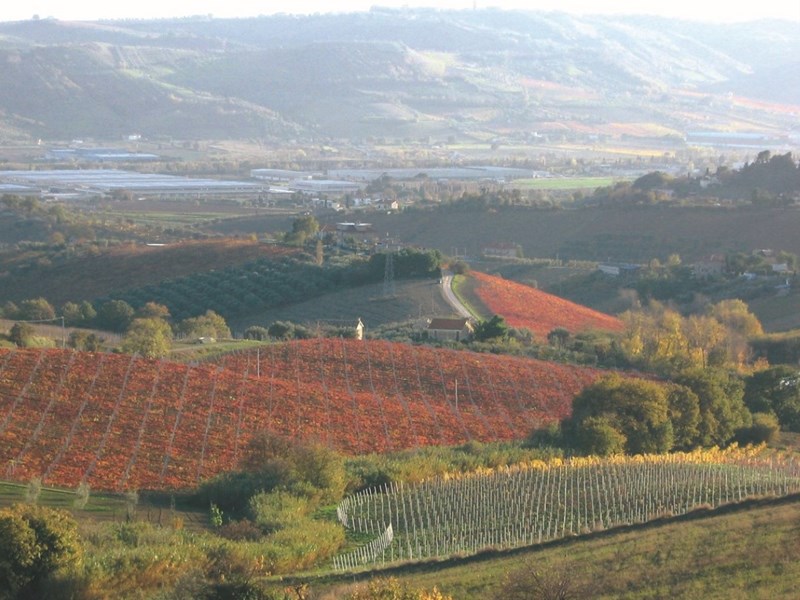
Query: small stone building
pixel 455 330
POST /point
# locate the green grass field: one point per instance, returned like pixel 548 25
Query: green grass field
pixel 192 351
pixel 463 288
pixel 566 183
pixel 104 506
pixel 99 507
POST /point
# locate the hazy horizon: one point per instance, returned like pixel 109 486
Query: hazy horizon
pixel 681 9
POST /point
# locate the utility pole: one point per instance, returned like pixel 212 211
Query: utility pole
pixel 388 276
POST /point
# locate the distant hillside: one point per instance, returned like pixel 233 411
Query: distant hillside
pixel 118 422
pixel 69 91
pixel 770 84
pixel 619 234
pixel 469 74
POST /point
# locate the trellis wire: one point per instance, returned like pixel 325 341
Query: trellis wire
pixel 518 506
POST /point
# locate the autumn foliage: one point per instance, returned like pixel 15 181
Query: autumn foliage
pixel 524 306
pixel 119 422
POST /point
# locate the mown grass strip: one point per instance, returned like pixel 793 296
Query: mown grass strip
pixel 566 183
pixel 463 289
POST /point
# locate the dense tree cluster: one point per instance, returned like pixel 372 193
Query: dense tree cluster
pixel 703 402
pixel 660 338
pixel 768 181
pixel 775 391
pixel 700 408
pixel 303 228
pixel 148 337
pixel 494 328
pixel 407 263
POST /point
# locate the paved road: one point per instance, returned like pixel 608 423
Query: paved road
pixel 447 292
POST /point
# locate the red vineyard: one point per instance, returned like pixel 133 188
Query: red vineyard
pixel 523 306
pixel 117 422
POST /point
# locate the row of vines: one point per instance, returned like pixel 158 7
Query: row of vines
pixel 416 395
pixel 118 422
pixel 254 286
pixel 525 306
pixel 536 503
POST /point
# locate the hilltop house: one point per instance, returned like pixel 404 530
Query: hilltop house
pixel 710 267
pixel 387 204
pixel 501 250
pixel 455 330
pixel 619 269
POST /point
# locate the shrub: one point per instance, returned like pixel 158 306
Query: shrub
pixel 776 390
pixel 34 490
pixel 234 590
pixel 83 340
pixel 273 511
pixel 459 267
pixel 630 412
pixel 151 338
pixel 281 330
pixel 35 542
pixel 597 435
pixel 392 589
pixel 114 315
pixel 243 529
pixel 256 332
pixel 227 561
pixel 533 582
pixel 38 309
pixel 549 436
pixel 215 516
pixel 21 334
pixel 209 324
pixel 304 544
pixel 232 490
pixel 764 430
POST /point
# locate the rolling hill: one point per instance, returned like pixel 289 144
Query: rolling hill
pixel 394 73
pixel 632 234
pixel 413 299
pixel 524 306
pixel 119 422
